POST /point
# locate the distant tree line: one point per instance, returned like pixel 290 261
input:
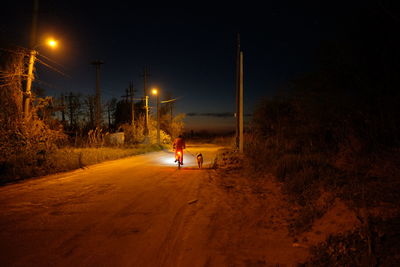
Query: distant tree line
pixel 28 139
pixel 76 112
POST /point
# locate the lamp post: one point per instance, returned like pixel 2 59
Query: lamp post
pixel 156 93
pixel 32 57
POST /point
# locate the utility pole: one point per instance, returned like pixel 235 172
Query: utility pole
pixel 146 99
pixel 241 103
pixel 97 64
pixel 158 118
pixel 32 57
pixel 132 104
pixel 30 78
pixel 239 96
pixel 146 123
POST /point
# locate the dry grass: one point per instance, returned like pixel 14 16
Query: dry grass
pixel 66 159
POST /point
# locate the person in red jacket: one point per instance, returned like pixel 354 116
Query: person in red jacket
pixel 179 145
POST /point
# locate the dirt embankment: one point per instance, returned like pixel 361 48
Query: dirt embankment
pixel 256 218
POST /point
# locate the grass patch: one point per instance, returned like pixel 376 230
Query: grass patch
pixel 67 159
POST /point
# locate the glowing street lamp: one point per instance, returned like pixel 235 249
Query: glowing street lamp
pixel 155 92
pixel 52 43
pixel 32 57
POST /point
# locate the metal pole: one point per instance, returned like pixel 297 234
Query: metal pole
pixel 241 103
pixel 158 118
pixel 30 78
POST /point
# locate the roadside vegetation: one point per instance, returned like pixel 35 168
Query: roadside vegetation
pixel 59 134
pixel 333 134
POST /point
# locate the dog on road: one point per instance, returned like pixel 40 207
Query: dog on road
pixel 199 158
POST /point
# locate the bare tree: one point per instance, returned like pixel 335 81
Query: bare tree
pixel 73 109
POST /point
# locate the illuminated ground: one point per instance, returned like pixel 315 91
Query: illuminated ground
pixel 139 211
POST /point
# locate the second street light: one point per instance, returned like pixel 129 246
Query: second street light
pixel 156 93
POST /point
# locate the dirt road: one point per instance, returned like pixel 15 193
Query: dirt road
pixel 139 211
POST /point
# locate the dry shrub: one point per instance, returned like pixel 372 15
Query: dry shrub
pixel 25 142
pixel 352 248
pixel 133 134
pixel 228 160
pixel 261 153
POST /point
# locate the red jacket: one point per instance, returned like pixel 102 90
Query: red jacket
pixel 179 144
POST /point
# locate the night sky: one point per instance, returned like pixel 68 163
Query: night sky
pixel 190 52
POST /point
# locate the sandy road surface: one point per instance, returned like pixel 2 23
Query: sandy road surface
pixel 138 211
pixel 128 212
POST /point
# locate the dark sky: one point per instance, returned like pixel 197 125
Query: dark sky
pixel 190 51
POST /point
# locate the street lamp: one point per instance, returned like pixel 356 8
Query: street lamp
pixel 155 92
pixel 32 57
pixel 52 43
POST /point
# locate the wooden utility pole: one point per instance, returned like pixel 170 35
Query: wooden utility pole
pixel 97 64
pixel 32 57
pixel 29 79
pixel 239 96
pixel 241 103
pixel 132 104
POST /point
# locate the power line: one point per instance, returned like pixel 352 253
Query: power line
pixel 51 60
pixel 53 68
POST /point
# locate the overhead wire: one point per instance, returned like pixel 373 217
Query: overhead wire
pixel 51 60
pixel 53 68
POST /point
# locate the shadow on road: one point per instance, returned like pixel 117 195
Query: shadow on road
pixel 193 169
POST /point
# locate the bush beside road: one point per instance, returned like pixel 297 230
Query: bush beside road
pixel 67 159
